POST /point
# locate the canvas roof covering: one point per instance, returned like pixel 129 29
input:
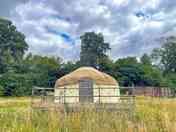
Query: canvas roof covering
pixel 98 77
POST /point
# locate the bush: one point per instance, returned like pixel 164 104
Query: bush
pixel 1 91
pixel 16 84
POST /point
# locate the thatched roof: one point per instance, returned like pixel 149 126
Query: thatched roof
pixel 98 77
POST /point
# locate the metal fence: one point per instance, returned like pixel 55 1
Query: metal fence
pixel 44 97
pixel 99 93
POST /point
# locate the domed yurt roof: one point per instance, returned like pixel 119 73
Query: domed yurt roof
pixel 98 77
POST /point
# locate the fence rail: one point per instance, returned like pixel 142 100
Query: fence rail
pixel 46 97
pixel 43 99
pixel 136 91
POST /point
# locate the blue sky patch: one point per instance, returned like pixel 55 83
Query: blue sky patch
pixel 61 18
pixel 140 14
pixel 65 36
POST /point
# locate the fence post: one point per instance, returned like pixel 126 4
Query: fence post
pixel 134 102
pixel 32 96
pixel 64 95
pixel 99 94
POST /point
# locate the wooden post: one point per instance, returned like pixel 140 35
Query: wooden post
pixel 64 95
pixel 99 94
pixel 133 102
pixel 32 97
pixel 42 101
pixel 168 92
pixel 165 91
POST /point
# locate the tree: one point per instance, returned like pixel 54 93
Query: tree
pixel 128 71
pixel 93 49
pixel 12 50
pixel 126 61
pixel 66 68
pixel 152 75
pixel 170 80
pixel 106 65
pixel 145 59
pixel 1 91
pixel 130 75
pixel 43 69
pixel 16 84
pixel 167 55
pixel 12 45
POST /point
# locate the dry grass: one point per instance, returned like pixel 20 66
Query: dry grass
pixel 151 115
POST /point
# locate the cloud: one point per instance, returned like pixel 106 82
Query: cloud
pixel 131 27
pixel 6 6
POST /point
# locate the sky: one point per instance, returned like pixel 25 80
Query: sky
pixel 54 27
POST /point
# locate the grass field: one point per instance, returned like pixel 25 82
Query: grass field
pixel 150 115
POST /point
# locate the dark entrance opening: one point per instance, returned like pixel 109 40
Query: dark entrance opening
pixel 86 91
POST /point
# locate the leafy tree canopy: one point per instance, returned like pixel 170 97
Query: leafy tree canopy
pixel 145 59
pixel 12 45
pixel 167 55
pixel 93 49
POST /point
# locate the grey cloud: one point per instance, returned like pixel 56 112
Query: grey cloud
pixel 6 6
pixel 167 5
pixel 126 33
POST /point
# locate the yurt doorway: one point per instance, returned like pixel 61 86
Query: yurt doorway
pixel 85 90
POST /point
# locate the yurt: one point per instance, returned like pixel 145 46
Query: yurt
pixel 86 85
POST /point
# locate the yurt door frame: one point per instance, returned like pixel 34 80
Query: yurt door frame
pixel 85 90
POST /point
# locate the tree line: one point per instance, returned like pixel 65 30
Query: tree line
pixel 20 71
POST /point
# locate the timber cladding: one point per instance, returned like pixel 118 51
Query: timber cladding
pixel 153 91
